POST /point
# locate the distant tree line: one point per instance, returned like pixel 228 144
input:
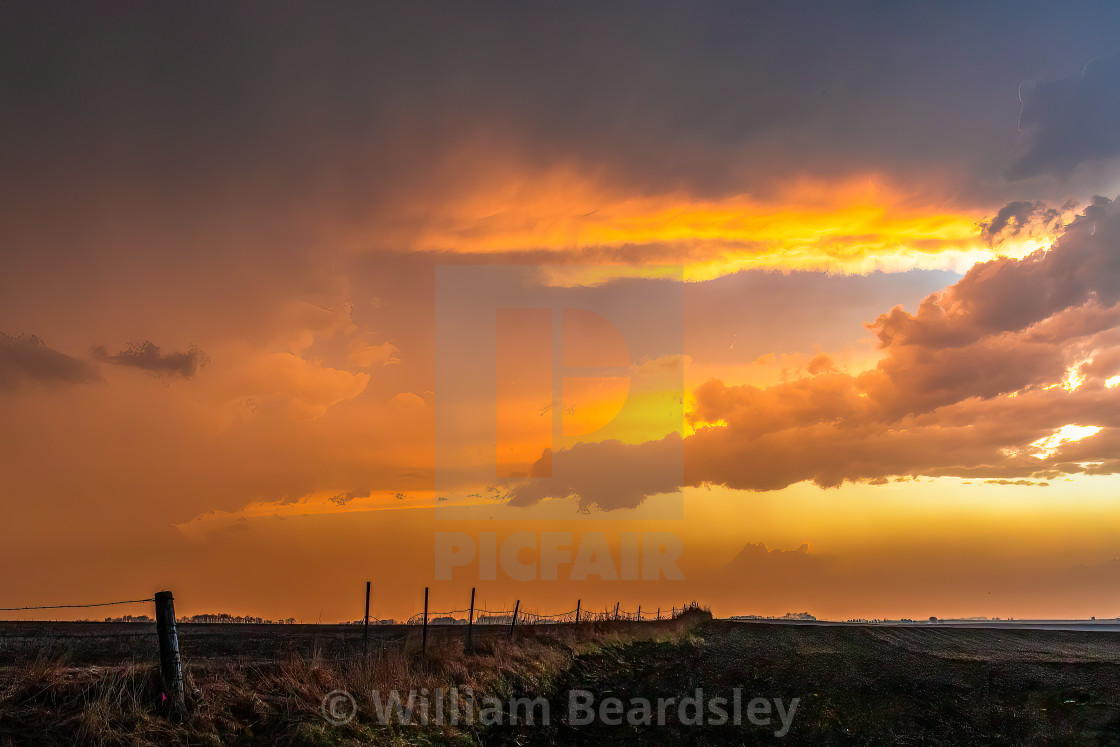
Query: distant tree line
pixel 220 617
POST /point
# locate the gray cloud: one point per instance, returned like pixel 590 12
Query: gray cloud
pixel 147 357
pixel 606 474
pixel 341 499
pixel 1008 295
pixel 1073 120
pixel 363 107
pixel 1016 217
pixel 27 359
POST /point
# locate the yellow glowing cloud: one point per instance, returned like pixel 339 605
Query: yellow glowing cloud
pixel 853 226
pixel 1046 447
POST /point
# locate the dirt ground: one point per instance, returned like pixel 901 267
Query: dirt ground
pixel 857 685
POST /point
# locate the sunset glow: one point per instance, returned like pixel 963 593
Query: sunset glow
pixel 282 304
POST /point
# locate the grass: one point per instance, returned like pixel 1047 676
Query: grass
pixel 856 685
pixel 46 700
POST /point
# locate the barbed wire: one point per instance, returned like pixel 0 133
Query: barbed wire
pixel 74 606
pixel 484 616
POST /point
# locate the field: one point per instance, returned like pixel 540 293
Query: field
pixel 84 683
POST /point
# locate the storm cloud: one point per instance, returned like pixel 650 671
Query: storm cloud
pixel 147 357
pixel 605 474
pixel 1071 120
pixel 1016 217
pixel 27 360
pixel 714 99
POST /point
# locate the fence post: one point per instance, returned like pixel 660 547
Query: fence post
pixel 470 622
pixel 658 613
pixel 514 620
pixel 424 642
pixel 170 665
pixel 639 613
pixel 578 601
pixel 616 606
pixel 365 638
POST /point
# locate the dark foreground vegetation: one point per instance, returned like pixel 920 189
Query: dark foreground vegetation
pixel 856 685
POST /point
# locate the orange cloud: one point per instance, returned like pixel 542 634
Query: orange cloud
pixel 993 377
pixel 855 225
pixel 306 389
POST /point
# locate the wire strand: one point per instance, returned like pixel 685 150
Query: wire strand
pixel 74 606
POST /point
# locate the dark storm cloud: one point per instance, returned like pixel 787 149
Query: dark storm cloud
pixel 606 474
pixel 341 499
pixel 27 359
pixel 1073 120
pixel 1007 295
pixel 147 357
pixel 356 107
pixel 1015 217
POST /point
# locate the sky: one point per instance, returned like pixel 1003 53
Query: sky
pixel 827 294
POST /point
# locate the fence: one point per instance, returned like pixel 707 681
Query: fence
pixel 468 618
pixel 504 617
pixel 482 616
pixel 171 666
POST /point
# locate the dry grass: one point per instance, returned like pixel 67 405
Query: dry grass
pixel 47 701
pixel 857 685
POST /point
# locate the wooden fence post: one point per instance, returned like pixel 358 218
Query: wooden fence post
pixel 578 602
pixel 514 620
pixel 424 642
pixel 365 638
pixel 470 623
pixel 170 665
pixel 616 606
